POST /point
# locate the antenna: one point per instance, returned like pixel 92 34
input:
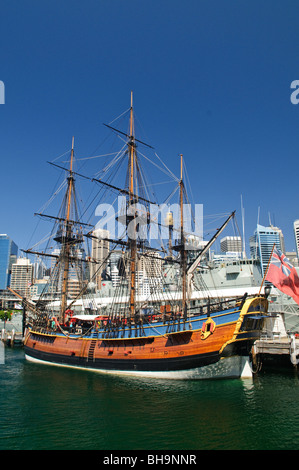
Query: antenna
pixel 243 227
pixel 258 221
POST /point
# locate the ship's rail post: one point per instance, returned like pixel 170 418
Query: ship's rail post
pixel 293 354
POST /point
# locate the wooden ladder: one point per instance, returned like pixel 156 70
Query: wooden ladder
pixel 92 346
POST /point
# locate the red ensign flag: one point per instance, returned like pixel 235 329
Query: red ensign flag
pixel 283 275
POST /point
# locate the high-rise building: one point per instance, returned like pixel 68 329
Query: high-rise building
pixel 99 253
pixel 231 244
pixel 296 233
pixel 292 257
pixel 22 276
pixel 261 244
pixel 116 267
pixel 281 237
pixel 150 264
pixel 8 256
pixel 39 269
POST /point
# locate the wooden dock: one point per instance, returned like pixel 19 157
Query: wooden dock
pixel 12 338
pixel 276 351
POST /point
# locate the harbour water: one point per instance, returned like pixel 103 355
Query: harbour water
pixel 46 407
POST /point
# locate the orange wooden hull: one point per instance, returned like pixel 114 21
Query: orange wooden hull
pixel 186 350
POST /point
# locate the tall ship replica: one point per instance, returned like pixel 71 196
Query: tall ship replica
pixel 158 333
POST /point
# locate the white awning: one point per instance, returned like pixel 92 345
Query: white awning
pixel 86 317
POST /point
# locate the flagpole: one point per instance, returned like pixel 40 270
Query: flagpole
pixel 267 269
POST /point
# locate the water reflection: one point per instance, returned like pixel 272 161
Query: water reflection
pixel 46 407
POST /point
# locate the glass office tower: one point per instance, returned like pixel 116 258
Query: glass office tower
pixel 8 256
pixel 261 244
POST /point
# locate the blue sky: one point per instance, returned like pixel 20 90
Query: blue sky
pixel 211 80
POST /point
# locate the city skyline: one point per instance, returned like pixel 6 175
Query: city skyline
pixel 25 277
pixel 210 80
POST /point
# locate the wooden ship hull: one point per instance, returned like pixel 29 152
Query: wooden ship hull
pixel 213 346
pixel 148 337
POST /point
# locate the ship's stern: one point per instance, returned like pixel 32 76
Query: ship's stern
pixel 248 328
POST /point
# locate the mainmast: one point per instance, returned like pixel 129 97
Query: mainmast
pixel 68 237
pixel 132 237
pixel 183 251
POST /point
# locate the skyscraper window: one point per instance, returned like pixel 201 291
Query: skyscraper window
pixel 8 256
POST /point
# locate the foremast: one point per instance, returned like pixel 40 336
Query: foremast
pixel 66 238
